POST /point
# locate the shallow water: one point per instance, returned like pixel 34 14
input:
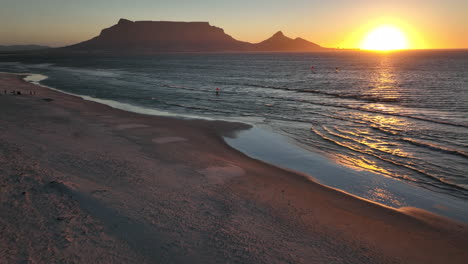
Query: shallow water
pixel 264 145
pixel 402 115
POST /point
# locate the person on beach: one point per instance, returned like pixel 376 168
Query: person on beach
pixel 217 91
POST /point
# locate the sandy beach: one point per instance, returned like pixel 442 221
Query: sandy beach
pixel 81 182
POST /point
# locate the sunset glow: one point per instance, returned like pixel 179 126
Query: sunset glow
pixel 385 38
pixel 433 24
pixel 247 131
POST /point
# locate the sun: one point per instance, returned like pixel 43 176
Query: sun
pixel 385 38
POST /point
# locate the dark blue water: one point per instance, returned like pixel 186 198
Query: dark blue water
pixel 403 115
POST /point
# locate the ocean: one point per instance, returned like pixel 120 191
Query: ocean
pixel 402 115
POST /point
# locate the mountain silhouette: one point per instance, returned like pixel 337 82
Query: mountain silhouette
pixel 166 36
pixel 279 42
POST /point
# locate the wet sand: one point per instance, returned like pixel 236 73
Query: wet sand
pixel 81 182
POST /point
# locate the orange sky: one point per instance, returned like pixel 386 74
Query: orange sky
pixel 333 23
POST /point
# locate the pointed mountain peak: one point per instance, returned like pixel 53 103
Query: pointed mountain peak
pixel 279 34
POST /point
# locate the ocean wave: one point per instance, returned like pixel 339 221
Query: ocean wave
pixel 411 167
pixel 362 97
pixel 108 73
pixel 119 105
pixel 362 109
pixel 365 142
pixel 256 85
pixel 208 109
pixel 435 147
pixel 366 98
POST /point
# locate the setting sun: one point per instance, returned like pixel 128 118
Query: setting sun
pixel 385 38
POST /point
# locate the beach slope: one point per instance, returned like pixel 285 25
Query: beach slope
pixel 81 182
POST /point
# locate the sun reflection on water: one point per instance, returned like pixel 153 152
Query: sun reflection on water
pixel 372 142
pixel 384 82
pixel 360 163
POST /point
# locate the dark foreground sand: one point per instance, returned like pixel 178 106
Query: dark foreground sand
pixel 81 182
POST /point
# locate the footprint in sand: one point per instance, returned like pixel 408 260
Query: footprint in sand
pixel 165 140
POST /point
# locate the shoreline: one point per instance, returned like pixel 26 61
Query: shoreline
pixel 372 186
pixel 259 144
pixel 172 190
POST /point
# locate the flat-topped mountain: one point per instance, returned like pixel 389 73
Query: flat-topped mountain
pixel 162 36
pixel 165 36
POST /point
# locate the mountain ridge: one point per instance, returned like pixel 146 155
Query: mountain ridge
pixel 171 36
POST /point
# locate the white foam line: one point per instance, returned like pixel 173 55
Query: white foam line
pixel 37 78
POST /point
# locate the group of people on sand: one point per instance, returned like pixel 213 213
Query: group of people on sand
pixel 14 92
